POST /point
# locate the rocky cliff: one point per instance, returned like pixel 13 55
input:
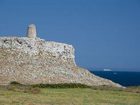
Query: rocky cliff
pixel 34 61
pixel 31 60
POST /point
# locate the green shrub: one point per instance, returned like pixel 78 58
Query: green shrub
pixel 15 83
pixel 62 85
pixel 15 86
pixel 34 88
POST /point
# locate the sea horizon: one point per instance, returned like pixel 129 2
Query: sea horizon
pixel 114 69
pixel 124 78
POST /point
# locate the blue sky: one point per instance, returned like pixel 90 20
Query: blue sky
pixel 105 33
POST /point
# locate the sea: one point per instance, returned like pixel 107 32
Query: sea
pixel 125 78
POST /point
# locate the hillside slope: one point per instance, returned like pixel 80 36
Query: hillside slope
pixel 35 61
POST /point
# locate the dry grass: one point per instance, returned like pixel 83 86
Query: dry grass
pixel 133 89
pixel 68 96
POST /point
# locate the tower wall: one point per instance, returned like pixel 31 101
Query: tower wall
pixel 31 31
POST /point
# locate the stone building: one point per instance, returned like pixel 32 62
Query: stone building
pixel 31 31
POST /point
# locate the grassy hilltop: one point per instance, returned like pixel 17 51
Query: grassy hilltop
pixel 24 95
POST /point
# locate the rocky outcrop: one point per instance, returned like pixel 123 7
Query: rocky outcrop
pixel 31 60
pixel 34 61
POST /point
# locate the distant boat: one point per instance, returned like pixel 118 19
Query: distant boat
pixel 115 73
pixel 107 70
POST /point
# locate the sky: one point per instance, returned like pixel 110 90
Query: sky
pixel 104 33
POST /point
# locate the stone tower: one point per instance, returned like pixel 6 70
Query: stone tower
pixel 31 31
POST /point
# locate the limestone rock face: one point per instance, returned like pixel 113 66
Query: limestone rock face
pixel 35 61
